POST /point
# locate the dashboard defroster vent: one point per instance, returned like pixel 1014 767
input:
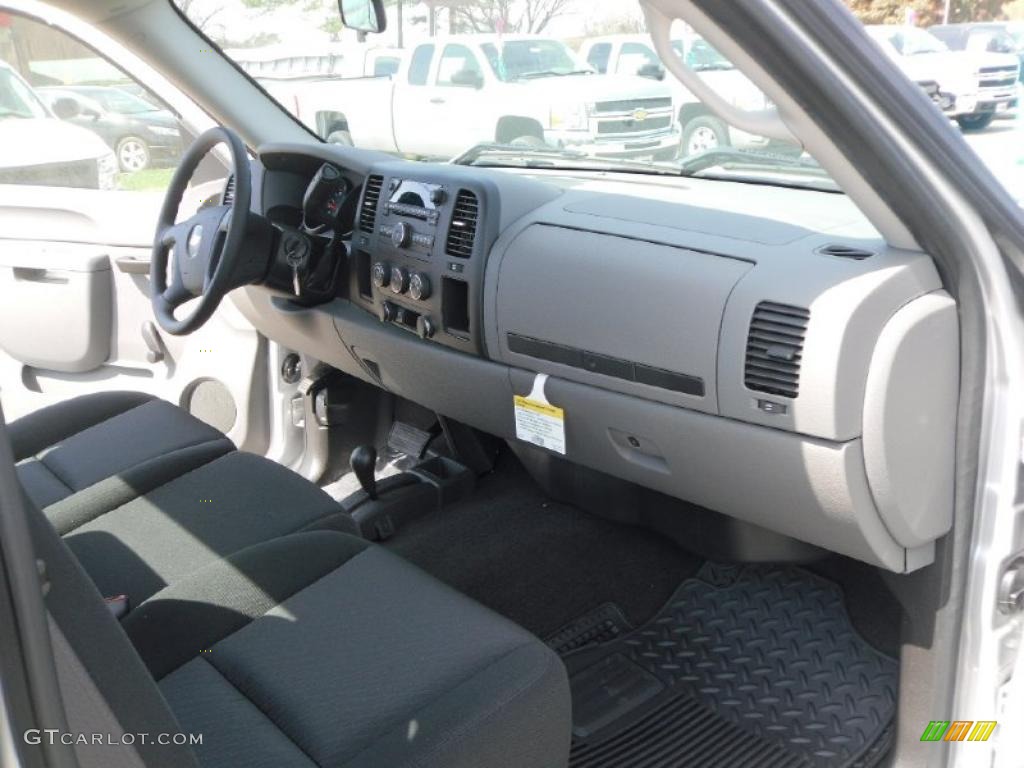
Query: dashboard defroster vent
pixel 462 232
pixel 775 346
pixel 846 252
pixel 227 197
pixel 371 199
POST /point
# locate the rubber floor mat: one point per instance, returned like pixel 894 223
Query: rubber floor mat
pixel 744 666
pixel 601 625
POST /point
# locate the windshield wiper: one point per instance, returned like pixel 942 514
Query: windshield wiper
pixel 511 155
pixel 744 158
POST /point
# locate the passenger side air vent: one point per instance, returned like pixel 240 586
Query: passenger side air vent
pixel 371 199
pixel 462 232
pixel 775 347
pixel 227 197
pixel 846 252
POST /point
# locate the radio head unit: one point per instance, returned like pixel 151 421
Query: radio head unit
pixel 416 199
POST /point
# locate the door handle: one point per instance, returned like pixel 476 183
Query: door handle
pixel 437 100
pixel 131 266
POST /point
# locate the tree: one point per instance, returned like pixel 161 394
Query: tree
pixel 928 11
pixel 504 15
pixel 199 15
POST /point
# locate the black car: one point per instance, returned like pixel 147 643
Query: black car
pixel 140 133
pixel 993 36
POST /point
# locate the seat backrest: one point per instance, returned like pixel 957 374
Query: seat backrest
pixel 104 685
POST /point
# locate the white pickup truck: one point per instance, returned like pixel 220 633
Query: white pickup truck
pixel 452 93
pixel 616 55
pixel 976 84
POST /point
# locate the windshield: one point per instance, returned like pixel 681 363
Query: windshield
pixel 569 85
pixel 519 59
pixel 911 41
pixel 17 99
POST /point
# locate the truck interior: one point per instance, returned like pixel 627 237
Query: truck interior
pixel 508 461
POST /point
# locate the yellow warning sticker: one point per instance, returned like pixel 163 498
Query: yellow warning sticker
pixel 540 423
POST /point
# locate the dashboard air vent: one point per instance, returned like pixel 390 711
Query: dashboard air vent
pixel 775 347
pixel 371 199
pixel 227 197
pixel 846 252
pixel 462 232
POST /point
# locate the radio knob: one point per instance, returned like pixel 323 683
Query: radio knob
pixel 381 274
pixel 401 234
pixel 419 286
pixel 425 327
pixel 399 280
pixel 437 196
pixel 388 312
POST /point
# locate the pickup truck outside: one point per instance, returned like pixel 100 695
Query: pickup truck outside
pixel 701 130
pixel 450 94
pixel 978 84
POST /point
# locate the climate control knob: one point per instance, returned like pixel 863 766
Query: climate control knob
pixel 419 286
pixel 388 312
pixel 425 327
pixel 381 274
pixel 401 235
pixel 399 280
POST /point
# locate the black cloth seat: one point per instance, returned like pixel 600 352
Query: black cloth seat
pixel 316 649
pixel 144 494
pixel 101 450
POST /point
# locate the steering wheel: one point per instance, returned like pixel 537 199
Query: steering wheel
pixel 209 253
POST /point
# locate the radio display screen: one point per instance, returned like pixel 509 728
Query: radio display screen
pixel 414 193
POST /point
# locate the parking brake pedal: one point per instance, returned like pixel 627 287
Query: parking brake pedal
pixel 409 440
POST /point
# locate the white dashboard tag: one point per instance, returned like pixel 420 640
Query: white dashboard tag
pixel 538 421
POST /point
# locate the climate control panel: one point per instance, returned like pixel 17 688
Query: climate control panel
pixel 418 252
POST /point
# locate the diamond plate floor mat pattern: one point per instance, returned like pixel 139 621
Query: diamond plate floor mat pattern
pixel 744 666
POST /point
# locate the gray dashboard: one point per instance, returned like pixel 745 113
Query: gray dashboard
pixel 755 350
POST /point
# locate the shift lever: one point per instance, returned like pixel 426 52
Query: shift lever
pixel 363 461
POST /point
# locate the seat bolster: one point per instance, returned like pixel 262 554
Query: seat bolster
pixel 180 621
pixel 48 426
pixel 490 719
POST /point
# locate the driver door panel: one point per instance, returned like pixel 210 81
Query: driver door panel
pixel 75 309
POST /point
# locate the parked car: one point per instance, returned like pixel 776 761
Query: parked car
pixel 37 148
pixel 140 133
pixel 700 129
pixel 992 36
pixel 980 83
pixel 520 89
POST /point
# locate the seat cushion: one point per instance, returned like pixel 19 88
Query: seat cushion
pixel 226 505
pixel 374 663
pixel 91 453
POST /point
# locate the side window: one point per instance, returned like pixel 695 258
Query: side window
pixel 419 66
pixel 634 57
pixel 385 66
pixel 458 67
pixel 71 119
pixel 599 55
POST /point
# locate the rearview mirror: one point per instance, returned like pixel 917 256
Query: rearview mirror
pixel 468 78
pixel 66 108
pixel 363 15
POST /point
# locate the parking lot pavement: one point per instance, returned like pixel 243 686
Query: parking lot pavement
pixel 1001 148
